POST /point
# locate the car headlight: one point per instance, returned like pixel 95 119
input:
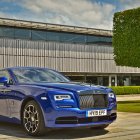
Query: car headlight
pixel 111 95
pixel 61 97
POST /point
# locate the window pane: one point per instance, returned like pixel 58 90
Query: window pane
pixel 22 33
pixel 65 37
pixel 98 39
pixel 72 38
pixel 77 38
pixel 7 32
pixel 39 35
pixel 53 36
pixel 4 73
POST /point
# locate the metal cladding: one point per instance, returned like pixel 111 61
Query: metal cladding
pixel 64 57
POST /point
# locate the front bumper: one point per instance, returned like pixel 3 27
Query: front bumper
pixel 74 117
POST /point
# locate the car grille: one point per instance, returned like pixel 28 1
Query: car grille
pixel 93 101
pixel 76 120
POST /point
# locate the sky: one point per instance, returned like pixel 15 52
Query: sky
pixel 83 13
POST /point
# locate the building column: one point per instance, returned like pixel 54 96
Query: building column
pixel 115 80
pixel 112 79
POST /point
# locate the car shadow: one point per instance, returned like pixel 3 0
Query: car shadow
pixel 17 131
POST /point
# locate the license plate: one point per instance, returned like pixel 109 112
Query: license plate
pixel 92 113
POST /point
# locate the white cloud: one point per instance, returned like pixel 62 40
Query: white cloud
pixel 2 14
pixel 130 4
pixel 85 13
pixel 72 12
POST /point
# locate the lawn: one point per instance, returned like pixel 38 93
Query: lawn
pixel 129 106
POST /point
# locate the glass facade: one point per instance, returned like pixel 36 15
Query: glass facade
pixel 38 35
pixel 22 33
pixel 135 80
pixel 93 39
pixel 34 34
pixel 104 80
pixel 97 80
pixel 7 32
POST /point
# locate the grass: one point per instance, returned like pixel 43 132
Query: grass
pixel 129 106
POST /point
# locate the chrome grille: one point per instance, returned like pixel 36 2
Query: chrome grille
pixel 93 101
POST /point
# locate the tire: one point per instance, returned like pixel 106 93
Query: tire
pixel 100 126
pixel 32 119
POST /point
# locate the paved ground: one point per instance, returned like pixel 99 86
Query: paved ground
pixel 127 127
pixel 128 97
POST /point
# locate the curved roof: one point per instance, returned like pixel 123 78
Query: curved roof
pixel 53 27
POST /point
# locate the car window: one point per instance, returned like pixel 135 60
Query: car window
pixel 4 73
pixel 32 75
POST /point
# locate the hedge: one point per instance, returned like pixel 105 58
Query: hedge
pixel 126 38
pixel 126 90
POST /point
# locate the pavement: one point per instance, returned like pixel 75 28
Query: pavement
pixel 126 127
pixel 128 97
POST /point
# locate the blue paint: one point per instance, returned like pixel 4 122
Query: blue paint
pixel 12 97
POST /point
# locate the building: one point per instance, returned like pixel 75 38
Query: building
pixel 83 54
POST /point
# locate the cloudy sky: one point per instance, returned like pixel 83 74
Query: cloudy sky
pixel 86 13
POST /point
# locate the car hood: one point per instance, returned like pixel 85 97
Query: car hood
pixel 73 86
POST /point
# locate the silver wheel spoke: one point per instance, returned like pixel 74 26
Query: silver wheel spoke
pixel 31 118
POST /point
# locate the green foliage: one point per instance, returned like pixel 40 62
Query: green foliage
pixel 129 106
pixel 126 90
pixel 126 38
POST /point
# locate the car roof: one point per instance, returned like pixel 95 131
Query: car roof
pixel 10 68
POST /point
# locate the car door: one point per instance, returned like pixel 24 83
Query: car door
pixel 4 91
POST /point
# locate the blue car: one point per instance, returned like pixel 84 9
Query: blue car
pixel 41 98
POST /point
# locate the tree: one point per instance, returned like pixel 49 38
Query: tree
pixel 126 38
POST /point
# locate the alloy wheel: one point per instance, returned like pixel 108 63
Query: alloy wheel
pixel 31 118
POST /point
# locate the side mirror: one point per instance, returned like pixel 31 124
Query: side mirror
pixel 3 80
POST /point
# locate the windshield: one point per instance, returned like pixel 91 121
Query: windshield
pixel 38 75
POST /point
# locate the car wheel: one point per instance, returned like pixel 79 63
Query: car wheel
pixel 33 120
pixel 100 126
